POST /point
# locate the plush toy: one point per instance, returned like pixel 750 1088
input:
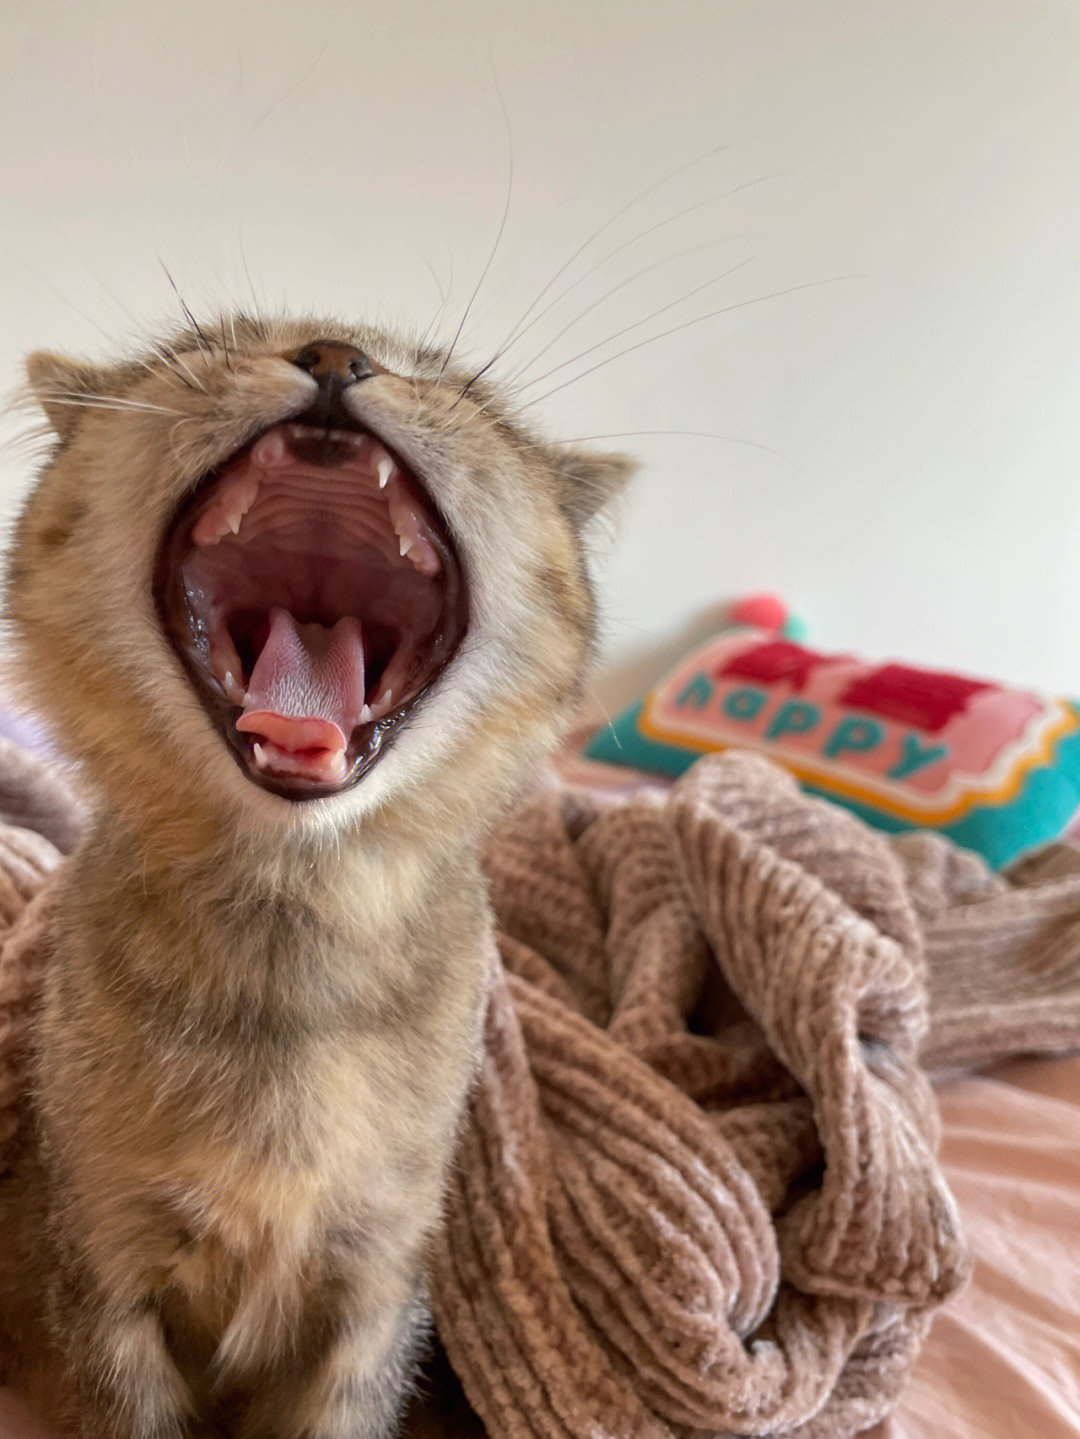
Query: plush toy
pixel 996 769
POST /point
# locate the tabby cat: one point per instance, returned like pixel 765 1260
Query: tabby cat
pixel 306 603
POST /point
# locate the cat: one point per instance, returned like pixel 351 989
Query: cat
pixel 306 603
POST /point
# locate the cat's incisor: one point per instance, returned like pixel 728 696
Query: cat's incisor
pixel 306 606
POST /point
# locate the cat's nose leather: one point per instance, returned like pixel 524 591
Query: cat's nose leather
pixel 332 364
pixel 335 367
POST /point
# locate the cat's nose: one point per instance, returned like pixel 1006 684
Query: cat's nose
pixel 332 364
pixel 335 367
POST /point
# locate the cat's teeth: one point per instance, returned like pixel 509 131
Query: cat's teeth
pixel 234 691
pixel 224 661
pixel 223 517
pixel 381 704
pixel 331 769
pixel 272 451
pixel 383 464
pixel 360 444
pixel 412 541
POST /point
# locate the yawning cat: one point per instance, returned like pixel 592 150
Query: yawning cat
pixel 306 604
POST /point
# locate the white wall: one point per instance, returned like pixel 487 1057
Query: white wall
pixel 904 431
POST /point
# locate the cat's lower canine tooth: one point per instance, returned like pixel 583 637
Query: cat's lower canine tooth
pixel 263 1005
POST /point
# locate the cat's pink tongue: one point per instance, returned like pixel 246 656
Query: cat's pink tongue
pixel 304 697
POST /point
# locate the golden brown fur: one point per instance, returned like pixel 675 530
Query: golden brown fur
pixel 261 1018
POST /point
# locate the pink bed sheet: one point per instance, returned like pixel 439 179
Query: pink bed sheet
pixel 1002 1361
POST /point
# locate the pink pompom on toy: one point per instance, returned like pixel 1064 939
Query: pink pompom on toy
pixel 762 612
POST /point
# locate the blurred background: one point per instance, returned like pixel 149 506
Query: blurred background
pixel 814 262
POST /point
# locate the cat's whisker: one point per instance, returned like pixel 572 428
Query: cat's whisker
pixel 680 434
pixel 605 259
pixel 637 324
pixel 180 449
pixel 444 295
pixel 594 304
pixel 176 360
pixel 102 402
pixel 609 255
pixel 42 279
pixel 502 223
pixel 674 330
pixel 590 239
pixel 296 91
pixel 170 359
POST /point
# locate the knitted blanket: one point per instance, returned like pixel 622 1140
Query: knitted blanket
pixel 696 1191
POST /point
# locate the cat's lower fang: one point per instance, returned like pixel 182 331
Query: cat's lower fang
pixel 233 689
pixel 225 663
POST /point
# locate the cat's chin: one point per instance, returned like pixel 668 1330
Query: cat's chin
pixel 313 594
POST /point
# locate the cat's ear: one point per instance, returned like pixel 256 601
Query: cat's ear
pixel 60 386
pixel 589 480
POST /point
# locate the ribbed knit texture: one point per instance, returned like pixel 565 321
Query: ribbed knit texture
pixel 696 1191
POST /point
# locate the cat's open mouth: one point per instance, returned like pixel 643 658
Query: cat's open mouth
pixel 313 594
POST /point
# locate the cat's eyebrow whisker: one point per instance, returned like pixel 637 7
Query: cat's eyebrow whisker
pixel 637 324
pixel 204 344
pixel 250 282
pixel 502 222
pixel 445 299
pixel 674 330
pixel 225 345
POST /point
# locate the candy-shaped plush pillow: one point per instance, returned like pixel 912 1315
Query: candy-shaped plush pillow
pixel 996 769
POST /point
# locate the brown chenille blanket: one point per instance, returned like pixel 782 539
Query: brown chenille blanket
pixel 696 1192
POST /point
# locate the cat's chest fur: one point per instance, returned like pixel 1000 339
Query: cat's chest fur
pixel 269 1079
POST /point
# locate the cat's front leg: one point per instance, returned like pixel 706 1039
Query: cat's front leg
pixel 124 1381
pixel 359 1385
